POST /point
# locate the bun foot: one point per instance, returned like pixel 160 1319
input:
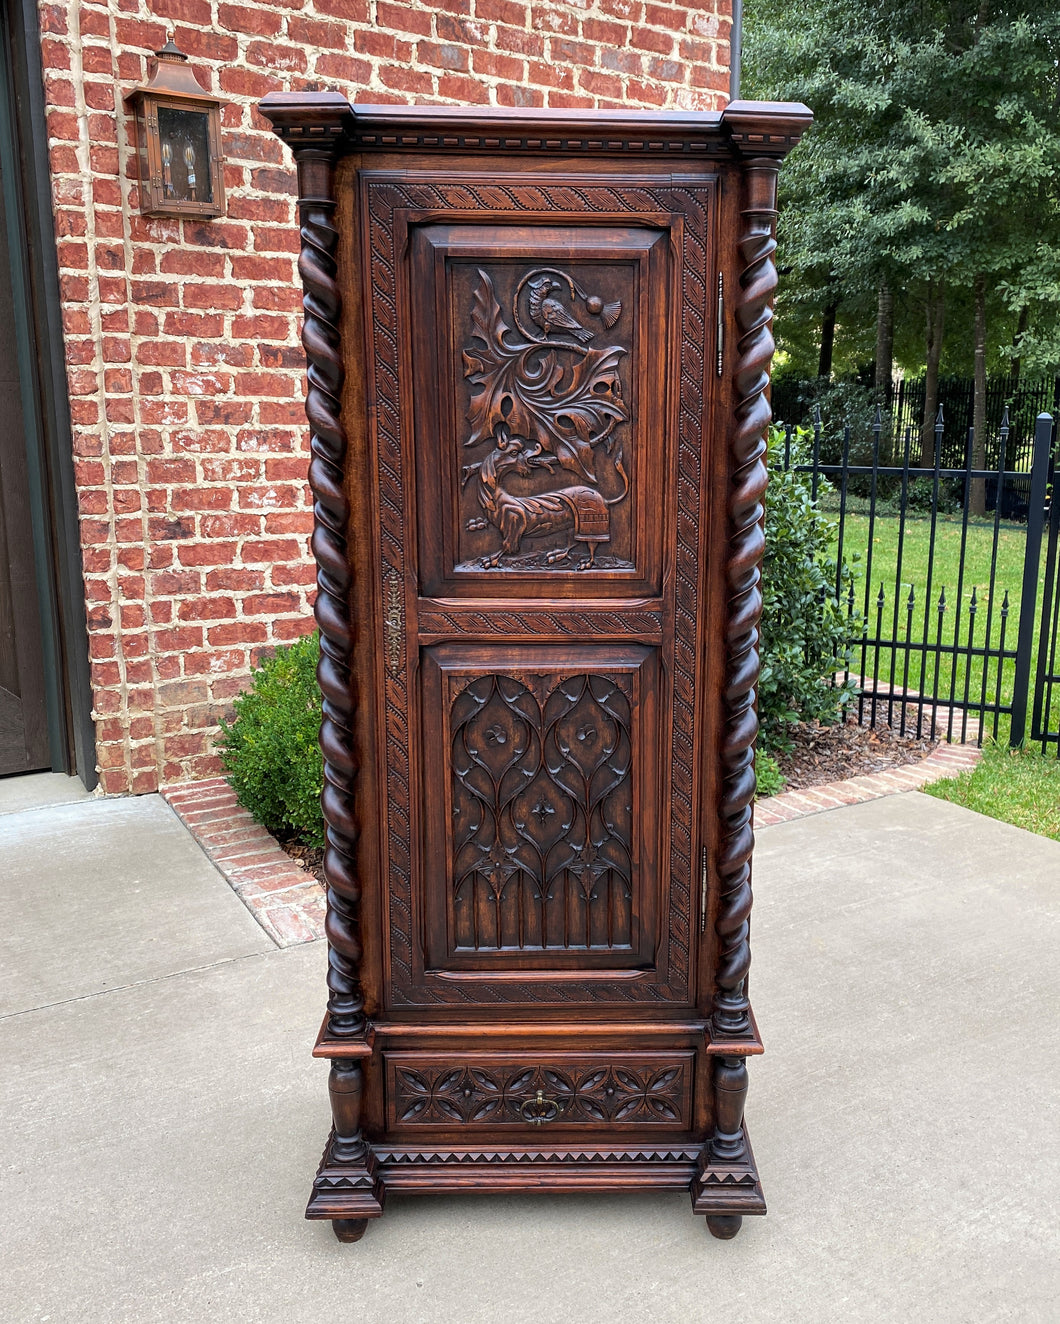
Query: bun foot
pixel 352 1229
pixel 724 1226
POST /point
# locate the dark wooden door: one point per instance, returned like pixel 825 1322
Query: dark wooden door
pixel 23 718
pixel 538 362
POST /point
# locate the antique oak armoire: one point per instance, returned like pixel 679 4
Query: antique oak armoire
pixel 539 349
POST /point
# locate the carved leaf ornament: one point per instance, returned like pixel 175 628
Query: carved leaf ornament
pixel 560 394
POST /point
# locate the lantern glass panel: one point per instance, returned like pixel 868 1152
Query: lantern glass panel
pixel 185 143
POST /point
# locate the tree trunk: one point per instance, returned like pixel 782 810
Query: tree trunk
pixel 936 318
pixel 824 365
pixel 884 342
pixel 977 492
pixel 1022 323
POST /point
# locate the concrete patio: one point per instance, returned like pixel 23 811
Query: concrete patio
pixel 163 1117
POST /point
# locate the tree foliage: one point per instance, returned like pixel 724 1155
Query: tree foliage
pixel 934 159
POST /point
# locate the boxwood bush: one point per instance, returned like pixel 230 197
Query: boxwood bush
pixel 270 751
pixel 805 632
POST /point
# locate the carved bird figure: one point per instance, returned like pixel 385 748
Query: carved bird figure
pixel 549 314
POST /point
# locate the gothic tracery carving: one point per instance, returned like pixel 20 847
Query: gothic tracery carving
pixel 542 815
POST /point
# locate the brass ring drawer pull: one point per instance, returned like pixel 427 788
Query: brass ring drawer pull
pixel 539 1110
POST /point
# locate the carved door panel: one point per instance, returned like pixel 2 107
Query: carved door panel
pixel 538 366
pixel 543 840
pixel 541 450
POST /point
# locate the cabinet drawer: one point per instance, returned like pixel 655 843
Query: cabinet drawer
pixel 560 1090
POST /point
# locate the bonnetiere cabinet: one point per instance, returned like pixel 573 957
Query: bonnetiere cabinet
pixel 539 348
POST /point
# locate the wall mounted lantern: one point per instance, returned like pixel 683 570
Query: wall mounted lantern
pixel 178 134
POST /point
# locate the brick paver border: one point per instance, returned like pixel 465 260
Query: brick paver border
pixel 945 761
pixel 284 898
pixel 288 902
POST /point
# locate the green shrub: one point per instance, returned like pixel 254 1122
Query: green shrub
pixel 769 780
pixel 270 750
pixel 805 633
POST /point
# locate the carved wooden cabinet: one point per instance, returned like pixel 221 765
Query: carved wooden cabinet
pixel 538 349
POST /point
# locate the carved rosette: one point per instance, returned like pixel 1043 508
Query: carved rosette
pixel 753 314
pixel 331 513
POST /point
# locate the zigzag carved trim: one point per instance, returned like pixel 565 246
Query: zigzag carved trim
pixel 496 1156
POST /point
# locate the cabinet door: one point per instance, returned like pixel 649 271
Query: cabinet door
pixel 537 355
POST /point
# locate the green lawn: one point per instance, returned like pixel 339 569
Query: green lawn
pixel 954 674
pixel 1016 786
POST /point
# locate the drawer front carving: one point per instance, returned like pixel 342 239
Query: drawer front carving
pixel 514 1090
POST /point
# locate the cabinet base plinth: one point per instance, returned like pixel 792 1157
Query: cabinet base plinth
pixel 346 1192
pixel 350 1193
pixel 724 1189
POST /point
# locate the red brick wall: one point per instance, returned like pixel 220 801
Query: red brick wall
pixel 182 338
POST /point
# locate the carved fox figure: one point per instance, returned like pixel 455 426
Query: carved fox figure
pixel 581 510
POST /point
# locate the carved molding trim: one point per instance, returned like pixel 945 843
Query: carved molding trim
pixel 753 313
pixel 626 625
pixel 456 195
pixel 527 142
pixel 713 1177
pixel 513 1156
pixel 766 128
pixel 345 1182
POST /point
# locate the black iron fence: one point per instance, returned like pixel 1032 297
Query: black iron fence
pixel 955 602
pixel 1024 398
pixel 1045 717
pixel 1021 398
